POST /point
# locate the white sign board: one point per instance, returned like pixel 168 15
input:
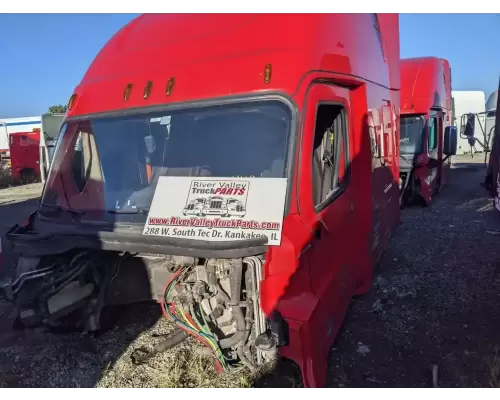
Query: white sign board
pixel 218 209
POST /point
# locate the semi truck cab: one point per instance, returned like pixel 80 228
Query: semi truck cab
pixel 316 202
pixel 426 138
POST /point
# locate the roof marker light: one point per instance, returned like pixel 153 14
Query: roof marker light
pixel 72 101
pixel 267 73
pixel 127 91
pixel 147 89
pixel 170 86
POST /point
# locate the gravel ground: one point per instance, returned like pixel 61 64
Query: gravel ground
pixel 16 203
pixel 433 302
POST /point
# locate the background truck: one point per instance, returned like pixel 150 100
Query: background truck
pixel 467 102
pixel 50 127
pixel 495 155
pixel 492 178
pixel 24 157
pixel 491 108
pixel 15 125
pixel 426 117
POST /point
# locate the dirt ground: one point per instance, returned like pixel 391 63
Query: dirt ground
pixel 434 302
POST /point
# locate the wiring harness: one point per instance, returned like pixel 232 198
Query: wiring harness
pixel 192 321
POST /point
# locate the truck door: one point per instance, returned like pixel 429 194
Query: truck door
pixel 328 203
pixel 379 181
pixel 442 170
pixel 390 184
pixel 435 131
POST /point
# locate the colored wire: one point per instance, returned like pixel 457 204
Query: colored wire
pixel 181 312
pixel 189 326
pixel 220 365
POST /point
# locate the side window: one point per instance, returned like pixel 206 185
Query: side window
pixel 432 133
pixel 80 162
pixel 330 153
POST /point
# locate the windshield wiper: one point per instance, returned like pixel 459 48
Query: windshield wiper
pixel 130 211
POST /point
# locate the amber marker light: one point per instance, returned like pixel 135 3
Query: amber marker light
pixel 170 86
pixel 127 91
pixel 268 73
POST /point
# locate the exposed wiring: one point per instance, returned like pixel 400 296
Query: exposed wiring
pixel 187 324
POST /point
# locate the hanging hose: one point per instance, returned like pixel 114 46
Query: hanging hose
pixel 141 355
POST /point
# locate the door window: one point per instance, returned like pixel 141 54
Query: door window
pixel 432 133
pixel 80 161
pixel 330 154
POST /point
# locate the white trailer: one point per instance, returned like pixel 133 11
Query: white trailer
pixel 465 102
pixel 4 137
pixel 51 125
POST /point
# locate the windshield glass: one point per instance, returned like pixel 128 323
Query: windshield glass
pixel 411 135
pixel 108 165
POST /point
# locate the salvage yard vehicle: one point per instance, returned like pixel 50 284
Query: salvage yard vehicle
pixel 492 178
pixel 24 156
pixel 427 138
pixel 308 148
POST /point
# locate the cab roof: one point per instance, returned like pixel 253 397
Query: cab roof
pixel 217 55
pixel 423 85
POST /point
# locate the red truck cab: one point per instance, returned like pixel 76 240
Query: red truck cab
pixel 24 156
pixel 426 119
pixel 309 104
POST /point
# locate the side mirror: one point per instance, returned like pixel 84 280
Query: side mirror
pixel 450 141
pixel 468 124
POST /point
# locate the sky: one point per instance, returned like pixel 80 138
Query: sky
pixel 44 56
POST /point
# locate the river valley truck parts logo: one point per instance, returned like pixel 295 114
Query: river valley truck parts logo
pixel 218 209
pixel 217 198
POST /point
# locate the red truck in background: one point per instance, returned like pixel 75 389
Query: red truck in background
pixel 222 102
pixel 24 156
pixel 427 135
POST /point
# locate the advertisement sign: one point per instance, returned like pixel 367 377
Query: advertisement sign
pixel 218 209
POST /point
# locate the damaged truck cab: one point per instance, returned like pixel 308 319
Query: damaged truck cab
pixel 492 177
pixel 427 137
pixel 245 178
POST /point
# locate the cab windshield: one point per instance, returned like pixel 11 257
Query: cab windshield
pixel 411 134
pixel 111 165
